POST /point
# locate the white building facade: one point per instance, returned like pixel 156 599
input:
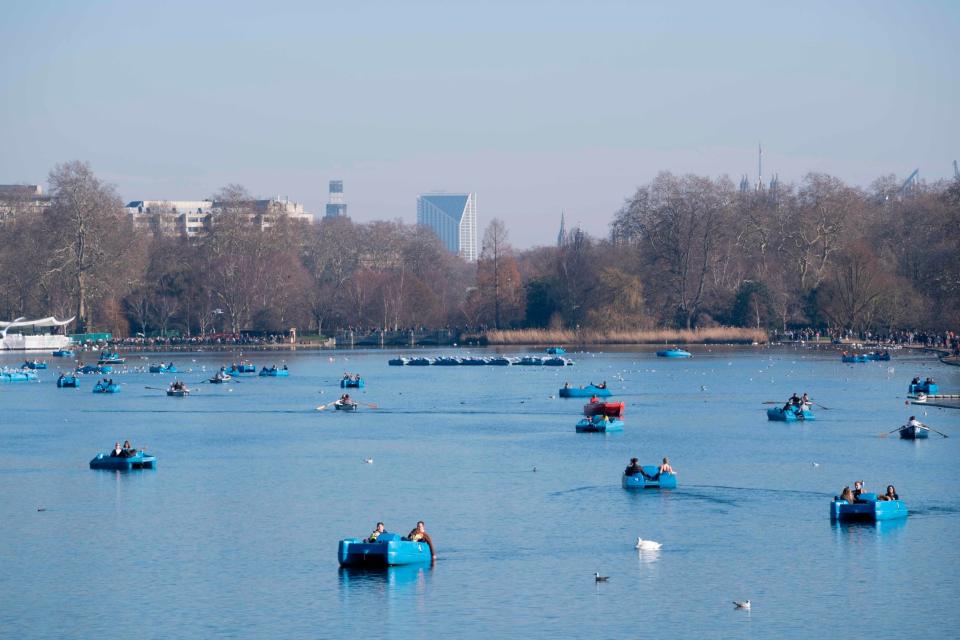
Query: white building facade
pixel 453 217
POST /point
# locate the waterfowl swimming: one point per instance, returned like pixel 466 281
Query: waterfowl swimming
pixel 647 545
pixel 742 605
pixel 599 578
pixel 368 460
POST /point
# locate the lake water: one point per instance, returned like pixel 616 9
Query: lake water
pixel 235 534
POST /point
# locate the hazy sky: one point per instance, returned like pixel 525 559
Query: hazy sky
pixel 537 107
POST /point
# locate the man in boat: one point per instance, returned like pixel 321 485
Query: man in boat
pixel 116 450
pixel 602 385
pixel 633 468
pixel 566 385
pixel 916 424
pixel 376 532
pixel 663 468
pixel 419 534
pixel 916 380
pixel 594 399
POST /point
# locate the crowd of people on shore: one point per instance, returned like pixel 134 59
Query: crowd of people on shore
pixel 946 340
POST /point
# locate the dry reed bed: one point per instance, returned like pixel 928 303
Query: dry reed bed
pixel 715 335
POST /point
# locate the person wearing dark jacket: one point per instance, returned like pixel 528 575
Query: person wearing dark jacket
pixel 419 534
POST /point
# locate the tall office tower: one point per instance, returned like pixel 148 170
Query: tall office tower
pixel 453 217
pixel 336 207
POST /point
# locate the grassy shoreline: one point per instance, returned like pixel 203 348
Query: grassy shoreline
pixel 715 335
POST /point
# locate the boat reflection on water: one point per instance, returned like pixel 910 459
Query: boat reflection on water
pixel 862 531
pixel 372 578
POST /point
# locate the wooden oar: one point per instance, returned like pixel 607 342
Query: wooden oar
pixel 371 405
pixel 934 430
pixel 820 405
pixel 155 388
pixel 324 406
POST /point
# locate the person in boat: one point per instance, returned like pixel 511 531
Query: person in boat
pixel 633 468
pixel 857 490
pixel 665 467
pixel 847 495
pixel 795 399
pixel 116 450
pixel 594 399
pixel 929 381
pixel 602 385
pixel 419 534
pixel 805 401
pixel 128 450
pixel 891 493
pixel 376 532
pixel 916 380
pixel 566 385
pixel 345 399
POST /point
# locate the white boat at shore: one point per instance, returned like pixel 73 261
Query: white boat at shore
pixel 33 341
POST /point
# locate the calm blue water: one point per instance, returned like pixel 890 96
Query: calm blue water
pixel 235 534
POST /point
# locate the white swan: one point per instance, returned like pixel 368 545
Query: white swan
pixel 647 545
pixel 742 605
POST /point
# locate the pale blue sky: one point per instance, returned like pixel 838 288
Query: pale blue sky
pixel 537 107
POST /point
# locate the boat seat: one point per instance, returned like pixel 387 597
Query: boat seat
pixel 386 536
pixel 868 497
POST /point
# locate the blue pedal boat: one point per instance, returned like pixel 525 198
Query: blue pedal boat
pixel 585 392
pixel 556 351
pixel 352 383
pixel 65 382
pixel 446 361
pixel 858 358
pixel 163 368
pixel 596 424
pixel 100 387
pixel 94 368
pixel 63 353
pixel 139 460
pixel 674 353
pixel 390 549
pixel 245 367
pixel 110 358
pixel 777 414
pixel 867 509
pixel 929 388
pixel 398 362
pixel 17 375
pixel 535 361
pixel 502 361
pixel 420 361
pixel 658 481
pixel 557 361
pixel 34 364
pixel 273 372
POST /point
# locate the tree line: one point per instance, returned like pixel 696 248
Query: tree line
pixel 683 251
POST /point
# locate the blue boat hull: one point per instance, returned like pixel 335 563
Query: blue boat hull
pixel 274 373
pixel 662 481
pixel 35 365
pixel 119 463
pixel 63 353
pixel 584 392
pixel 777 414
pixel 162 369
pixel 17 376
pixel 929 389
pixel 557 351
pixel 94 368
pixel 69 382
pixel 599 426
pixel 352 384
pixel 674 353
pixel 867 511
pixel 354 552
pixel 106 388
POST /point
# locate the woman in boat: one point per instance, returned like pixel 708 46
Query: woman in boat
pixel 376 532
pixel 128 450
pixel 116 450
pixel 891 493
pixel 847 495
pixel 633 468
pixel 594 399
pixel 566 385
pixel 916 380
pixel 419 534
